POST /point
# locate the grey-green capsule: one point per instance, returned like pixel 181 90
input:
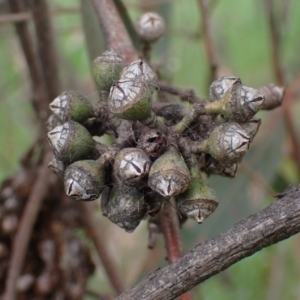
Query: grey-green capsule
pixel 84 180
pixel 198 201
pixel 71 142
pixel 70 105
pixel 228 143
pixel 142 71
pixel 130 100
pixel 124 206
pixel 107 69
pixel 150 26
pixel 239 102
pixel 169 175
pixel 131 166
pixel 57 166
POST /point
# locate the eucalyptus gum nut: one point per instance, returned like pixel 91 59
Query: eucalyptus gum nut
pixel 251 127
pixel 198 201
pixel 169 175
pixel 131 166
pixel 150 26
pixel 71 142
pixel 239 102
pixel 107 68
pixel 228 143
pixel 142 71
pixel 273 95
pixel 130 100
pixel 70 105
pixel 57 166
pixel 52 122
pixel 218 168
pixel 84 180
pixel 221 86
pixel 124 206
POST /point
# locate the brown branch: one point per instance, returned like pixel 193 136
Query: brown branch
pixel 184 95
pixel 114 31
pixel 25 227
pixel 209 49
pixel 275 41
pixel 275 223
pixel 93 229
pixel 39 94
pixel 279 77
pixel 169 225
pixel 45 45
pixel 26 16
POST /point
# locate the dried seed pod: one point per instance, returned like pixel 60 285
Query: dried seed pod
pixel 198 201
pixel 221 86
pixel 84 180
pixel 140 70
pixel 124 206
pixel 239 103
pixel 107 68
pixel 70 105
pixel 153 142
pixel 251 127
pixel 130 99
pixel 131 166
pixel 273 95
pixel 169 175
pixel 228 143
pixel 214 167
pixel 71 141
pixel 150 26
pixel 52 122
pixel 57 166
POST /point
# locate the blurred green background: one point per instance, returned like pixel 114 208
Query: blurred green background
pixel 241 37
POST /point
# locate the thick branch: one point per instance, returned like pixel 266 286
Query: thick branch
pixel 114 31
pixel 45 44
pixel 277 222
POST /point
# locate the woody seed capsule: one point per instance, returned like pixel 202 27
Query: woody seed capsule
pixel 131 166
pixel 140 70
pixel 71 141
pixel 198 201
pixel 123 206
pixel 228 143
pixel 130 99
pixel 107 68
pixel 84 180
pixel 239 102
pixel 169 175
pixel 71 105
pixel 150 26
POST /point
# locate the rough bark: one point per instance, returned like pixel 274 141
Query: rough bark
pixel 276 222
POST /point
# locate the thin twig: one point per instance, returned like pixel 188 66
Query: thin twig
pixel 279 77
pixel 114 31
pixel 169 224
pixel 21 240
pixel 46 48
pixel 209 49
pixel 93 230
pixel 275 223
pixel 184 95
pixel 257 178
pixel 26 16
pixel 39 93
